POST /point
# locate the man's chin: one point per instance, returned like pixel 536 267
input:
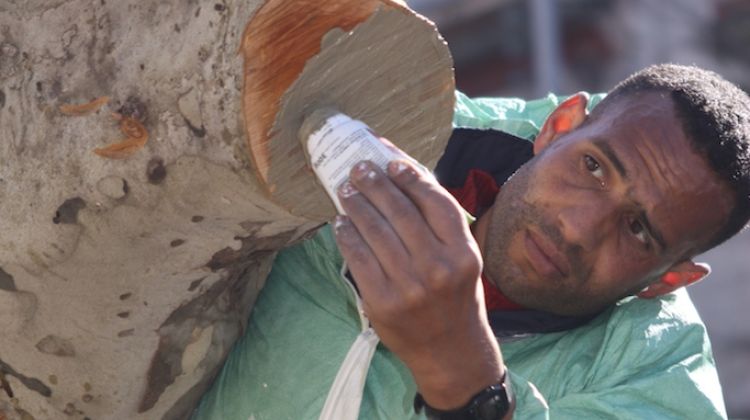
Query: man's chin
pixel 534 294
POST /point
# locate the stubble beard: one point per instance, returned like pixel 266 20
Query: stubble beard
pixel 511 214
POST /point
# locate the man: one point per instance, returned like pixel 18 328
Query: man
pixel 613 204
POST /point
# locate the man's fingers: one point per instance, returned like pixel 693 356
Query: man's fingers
pixel 376 231
pixel 396 208
pixel 441 211
pixel 361 261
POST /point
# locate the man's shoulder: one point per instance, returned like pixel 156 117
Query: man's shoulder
pixel 634 340
pixel 674 309
pixel 523 118
pixel 657 333
pixel 634 323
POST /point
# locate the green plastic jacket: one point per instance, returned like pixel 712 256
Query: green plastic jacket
pixel 641 359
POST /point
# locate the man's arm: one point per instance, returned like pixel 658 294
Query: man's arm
pixel 417 266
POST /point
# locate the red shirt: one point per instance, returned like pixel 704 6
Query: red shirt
pixel 476 196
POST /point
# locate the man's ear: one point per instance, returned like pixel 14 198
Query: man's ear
pixel 681 274
pixel 566 117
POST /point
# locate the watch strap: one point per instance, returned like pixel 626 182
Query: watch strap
pixel 491 403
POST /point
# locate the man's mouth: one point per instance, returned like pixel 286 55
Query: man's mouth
pixel 544 256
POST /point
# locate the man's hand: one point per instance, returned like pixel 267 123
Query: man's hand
pixel 417 266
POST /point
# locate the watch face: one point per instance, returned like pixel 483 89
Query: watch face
pixel 493 407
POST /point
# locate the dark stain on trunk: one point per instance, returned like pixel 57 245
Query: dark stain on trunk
pixel 30 383
pixel 199 132
pixel 228 257
pixel 224 306
pixel 6 281
pixel 155 171
pixel 56 346
pixel 5 385
pixel 134 108
pixel 67 213
pixel 195 283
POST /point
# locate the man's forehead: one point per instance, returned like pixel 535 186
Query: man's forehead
pixel 644 132
pixel 633 110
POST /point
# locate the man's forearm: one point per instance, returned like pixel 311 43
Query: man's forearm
pixel 452 373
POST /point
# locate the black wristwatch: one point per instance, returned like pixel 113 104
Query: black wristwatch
pixel 491 403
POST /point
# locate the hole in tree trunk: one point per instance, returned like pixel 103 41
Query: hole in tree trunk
pixel 7 282
pixel 67 213
pixel 155 171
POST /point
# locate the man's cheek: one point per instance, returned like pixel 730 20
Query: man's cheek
pixel 611 282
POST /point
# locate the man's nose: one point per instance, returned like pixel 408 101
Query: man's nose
pixel 587 221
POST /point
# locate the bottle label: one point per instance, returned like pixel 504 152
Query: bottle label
pixel 340 143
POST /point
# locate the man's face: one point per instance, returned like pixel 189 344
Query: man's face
pixel 603 210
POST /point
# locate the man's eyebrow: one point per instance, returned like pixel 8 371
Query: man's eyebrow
pixel 606 149
pixel 658 237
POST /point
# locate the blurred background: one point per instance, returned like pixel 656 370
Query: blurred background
pixel 527 48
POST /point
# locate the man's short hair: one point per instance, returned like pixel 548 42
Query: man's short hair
pixel 716 118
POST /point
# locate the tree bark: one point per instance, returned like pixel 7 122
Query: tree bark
pixel 134 234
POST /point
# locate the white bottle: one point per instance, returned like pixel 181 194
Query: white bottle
pixel 335 142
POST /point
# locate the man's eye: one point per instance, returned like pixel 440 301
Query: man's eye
pixel 593 166
pixel 637 229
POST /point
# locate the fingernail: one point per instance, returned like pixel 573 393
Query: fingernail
pixel 397 167
pixel 347 190
pixel 371 174
pixel 364 170
pixel 360 169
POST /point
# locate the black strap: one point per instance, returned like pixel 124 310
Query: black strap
pixel 491 403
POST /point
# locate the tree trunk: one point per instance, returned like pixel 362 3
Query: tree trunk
pixel 134 233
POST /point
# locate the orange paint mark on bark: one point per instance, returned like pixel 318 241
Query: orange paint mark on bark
pixel 77 110
pixel 136 137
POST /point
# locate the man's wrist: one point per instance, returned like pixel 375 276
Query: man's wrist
pixel 494 402
pixel 448 375
pixel 449 394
